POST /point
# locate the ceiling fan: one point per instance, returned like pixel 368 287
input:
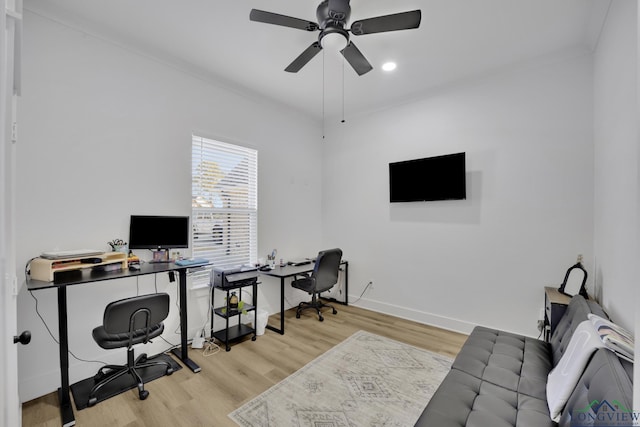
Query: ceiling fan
pixel 332 16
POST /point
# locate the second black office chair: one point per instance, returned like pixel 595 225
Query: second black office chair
pixel 323 278
pixel 128 322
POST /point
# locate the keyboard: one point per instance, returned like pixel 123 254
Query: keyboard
pixel 191 261
pixel 303 261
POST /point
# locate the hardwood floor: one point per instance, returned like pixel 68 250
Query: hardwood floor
pixel 229 379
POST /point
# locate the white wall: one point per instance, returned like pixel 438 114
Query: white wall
pixel 636 373
pixel 617 186
pixel 616 166
pixel 106 133
pixel 528 213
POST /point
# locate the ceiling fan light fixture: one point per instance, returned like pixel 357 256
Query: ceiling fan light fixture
pixel 334 41
pixel 389 66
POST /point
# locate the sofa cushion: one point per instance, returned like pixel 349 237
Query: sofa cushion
pixel 511 361
pixel 464 400
pixel 606 378
pixel 576 312
pixel 565 375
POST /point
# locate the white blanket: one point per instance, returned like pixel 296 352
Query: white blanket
pixel 564 377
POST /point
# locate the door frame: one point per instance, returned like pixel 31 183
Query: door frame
pixel 10 49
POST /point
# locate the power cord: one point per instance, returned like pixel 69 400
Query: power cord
pixel 210 347
pixel 27 273
pixel 365 290
pixel 171 344
pixel 56 340
pixel 177 303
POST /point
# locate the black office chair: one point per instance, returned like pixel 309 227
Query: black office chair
pixel 128 322
pixel 323 278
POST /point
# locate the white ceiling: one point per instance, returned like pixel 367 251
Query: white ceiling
pixel 457 40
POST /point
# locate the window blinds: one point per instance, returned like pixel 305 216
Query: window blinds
pixel 224 203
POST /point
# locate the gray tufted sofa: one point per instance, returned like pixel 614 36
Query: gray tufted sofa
pixel 499 379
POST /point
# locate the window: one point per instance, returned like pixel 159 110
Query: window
pixel 224 203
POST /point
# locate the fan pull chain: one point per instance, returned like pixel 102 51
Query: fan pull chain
pixel 343 60
pixel 323 121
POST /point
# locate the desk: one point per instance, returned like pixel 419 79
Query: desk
pixel 288 271
pixel 88 276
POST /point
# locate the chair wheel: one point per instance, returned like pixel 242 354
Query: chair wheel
pixel 169 371
pixel 92 401
pixel 297 315
pixel 335 311
pixel 253 338
pixel 143 394
pixel 320 318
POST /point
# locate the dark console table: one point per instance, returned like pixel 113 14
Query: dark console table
pixel 555 304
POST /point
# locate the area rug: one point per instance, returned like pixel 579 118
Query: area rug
pixel 367 380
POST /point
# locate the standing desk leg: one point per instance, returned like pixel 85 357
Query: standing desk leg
pixel 282 306
pixel 255 311
pixel 66 410
pixel 346 283
pixel 272 328
pixel 181 353
pixel 211 313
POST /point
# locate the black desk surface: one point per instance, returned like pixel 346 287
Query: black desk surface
pixel 291 270
pixel 87 275
pixel 288 270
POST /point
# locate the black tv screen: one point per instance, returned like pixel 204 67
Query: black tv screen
pixel 158 232
pixel 428 179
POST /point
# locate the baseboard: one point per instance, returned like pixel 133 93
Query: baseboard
pixel 415 315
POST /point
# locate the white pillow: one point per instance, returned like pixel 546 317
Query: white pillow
pixel 563 378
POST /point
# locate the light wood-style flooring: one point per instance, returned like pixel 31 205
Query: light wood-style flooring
pixel 229 379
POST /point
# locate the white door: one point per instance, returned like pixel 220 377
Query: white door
pixel 11 30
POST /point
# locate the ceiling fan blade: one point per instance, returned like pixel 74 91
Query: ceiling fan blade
pixel 304 57
pixel 381 24
pixel 282 20
pixel 356 59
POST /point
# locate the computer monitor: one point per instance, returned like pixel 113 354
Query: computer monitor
pixel 158 232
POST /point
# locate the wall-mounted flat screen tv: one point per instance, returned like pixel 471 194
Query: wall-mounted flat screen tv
pixel 428 179
pixel 158 232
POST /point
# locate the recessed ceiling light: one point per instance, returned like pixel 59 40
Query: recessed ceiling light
pixel 389 66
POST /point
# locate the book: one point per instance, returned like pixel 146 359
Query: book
pixel 614 336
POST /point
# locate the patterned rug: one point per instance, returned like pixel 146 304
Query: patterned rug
pixel 367 380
